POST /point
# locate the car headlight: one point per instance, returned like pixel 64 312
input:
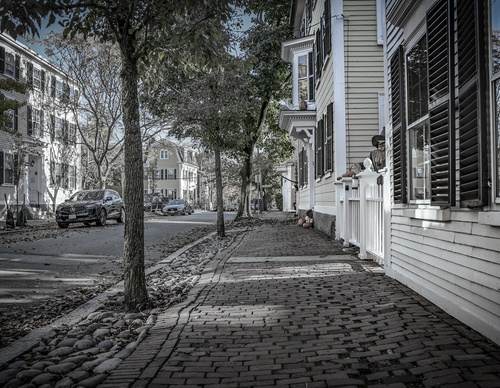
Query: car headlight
pixel 90 207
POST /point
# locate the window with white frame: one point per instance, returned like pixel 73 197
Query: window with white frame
pixel 35 121
pixel 495 78
pixel 10 64
pixel 172 193
pixel 37 78
pixel 11 123
pixel 437 90
pixel 171 174
pixel 72 177
pixel 58 128
pixel 163 154
pixel 6 168
pixel 418 128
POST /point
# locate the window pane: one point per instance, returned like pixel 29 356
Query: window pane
pixel 416 63
pixel 495 36
pixel 303 66
pixel 420 162
pixel 303 90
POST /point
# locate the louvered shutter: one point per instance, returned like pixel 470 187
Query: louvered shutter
pixel 441 98
pixel 17 70
pixel 327 43
pixel 329 138
pixel 319 149
pixel 30 120
pixel 301 168
pixel 29 73
pixel 319 55
pixel 398 127
pixel 43 82
pixel 2 60
pixel 2 168
pixel 471 99
pixel 52 127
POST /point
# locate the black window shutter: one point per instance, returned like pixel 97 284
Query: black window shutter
pixel 2 60
pixel 471 99
pixel 29 73
pixel 17 67
pixel 301 167
pixel 53 87
pixel 52 127
pixel 327 44
pixel 398 126
pixel 329 137
pixel 40 128
pixel 43 81
pixel 441 98
pixel 1 168
pixel 30 120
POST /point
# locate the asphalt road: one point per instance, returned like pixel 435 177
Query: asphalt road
pixel 32 272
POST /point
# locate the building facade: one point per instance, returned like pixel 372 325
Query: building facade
pixel 443 87
pixel 171 170
pixel 42 150
pixel 337 103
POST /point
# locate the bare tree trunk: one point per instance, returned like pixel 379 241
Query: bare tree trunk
pixel 245 208
pixel 134 272
pixel 221 232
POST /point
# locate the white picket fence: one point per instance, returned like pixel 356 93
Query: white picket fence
pixel 360 214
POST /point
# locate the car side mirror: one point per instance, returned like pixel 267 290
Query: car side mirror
pixel 108 199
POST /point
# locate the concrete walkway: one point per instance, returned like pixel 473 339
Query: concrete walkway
pixel 287 306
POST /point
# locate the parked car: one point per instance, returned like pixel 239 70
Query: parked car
pixel 177 206
pixel 154 202
pixel 89 206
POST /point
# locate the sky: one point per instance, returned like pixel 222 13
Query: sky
pixel 58 29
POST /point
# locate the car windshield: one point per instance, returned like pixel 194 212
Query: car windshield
pixel 87 195
pixel 176 202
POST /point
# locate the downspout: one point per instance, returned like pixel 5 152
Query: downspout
pixel 339 88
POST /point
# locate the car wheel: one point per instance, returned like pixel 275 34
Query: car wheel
pixel 102 218
pixel 121 218
pixel 63 225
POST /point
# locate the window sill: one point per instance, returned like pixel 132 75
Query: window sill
pixel 429 214
pixel 489 218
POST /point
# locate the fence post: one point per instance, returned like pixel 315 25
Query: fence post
pixel 367 178
pixel 340 205
pixel 347 210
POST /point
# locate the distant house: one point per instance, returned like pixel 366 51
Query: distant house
pixel 171 170
pixel 443 128
pixel 47 141
pixel 337 98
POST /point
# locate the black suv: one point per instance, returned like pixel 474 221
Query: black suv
pixel 89 206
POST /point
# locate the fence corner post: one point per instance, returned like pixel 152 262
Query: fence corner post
pixel 367 178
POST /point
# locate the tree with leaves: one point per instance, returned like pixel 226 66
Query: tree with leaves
pixel 204 104
pixel 147 32
pixel 270 77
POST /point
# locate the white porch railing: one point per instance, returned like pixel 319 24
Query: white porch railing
pixel 360 213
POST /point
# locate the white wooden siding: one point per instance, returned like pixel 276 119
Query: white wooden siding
pixel 364 77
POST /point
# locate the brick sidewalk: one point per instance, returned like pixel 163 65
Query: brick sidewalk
pixel 287 306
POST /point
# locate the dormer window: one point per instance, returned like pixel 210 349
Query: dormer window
pixel 164 154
